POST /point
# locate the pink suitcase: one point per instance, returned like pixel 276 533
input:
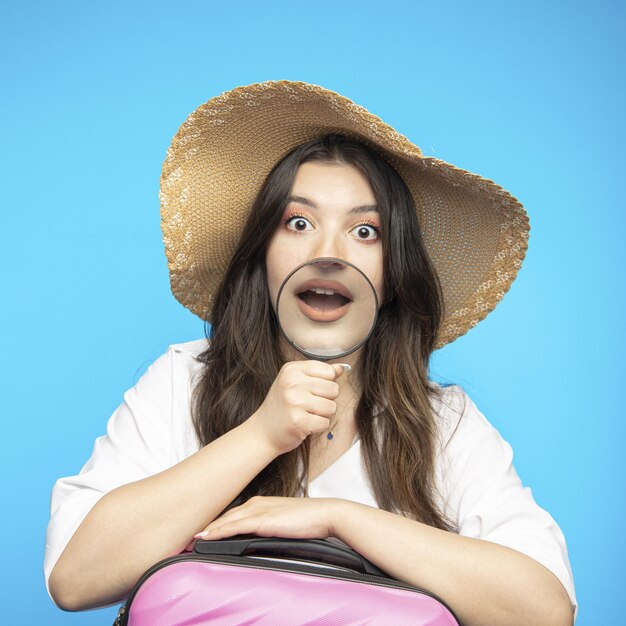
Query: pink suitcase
pixel 276 582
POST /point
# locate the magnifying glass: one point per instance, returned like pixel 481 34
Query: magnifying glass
pixel 326 308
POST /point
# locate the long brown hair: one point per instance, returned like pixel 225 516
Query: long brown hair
pixel 243 357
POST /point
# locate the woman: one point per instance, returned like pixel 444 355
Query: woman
pixel 223 437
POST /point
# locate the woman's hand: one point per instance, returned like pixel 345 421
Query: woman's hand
pixel 267 516
pixel 300 401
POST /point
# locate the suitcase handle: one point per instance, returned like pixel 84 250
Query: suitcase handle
pixel 310 549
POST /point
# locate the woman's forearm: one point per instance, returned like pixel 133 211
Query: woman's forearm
pixel 138 524
pixel 484 583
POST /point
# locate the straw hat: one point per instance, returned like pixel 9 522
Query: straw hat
pixel 476 233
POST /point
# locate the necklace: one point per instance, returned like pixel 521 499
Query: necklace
pixel 329 435
pixel 333 430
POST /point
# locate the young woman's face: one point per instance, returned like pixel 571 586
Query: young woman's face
pixel 331 213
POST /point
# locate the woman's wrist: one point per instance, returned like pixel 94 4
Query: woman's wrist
pixel 340 513
pixel 258 436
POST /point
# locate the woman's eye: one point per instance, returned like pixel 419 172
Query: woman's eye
pixel 298 223
pixel 365 232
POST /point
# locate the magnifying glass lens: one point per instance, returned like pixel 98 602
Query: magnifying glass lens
pixel 326 308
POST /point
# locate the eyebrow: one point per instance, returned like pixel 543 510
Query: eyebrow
pixel 363 208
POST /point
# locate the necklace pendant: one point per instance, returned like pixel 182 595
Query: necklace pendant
pixel 329 436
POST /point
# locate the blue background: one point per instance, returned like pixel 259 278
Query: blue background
pixel 528 94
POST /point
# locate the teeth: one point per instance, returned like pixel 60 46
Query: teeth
pixel 325 292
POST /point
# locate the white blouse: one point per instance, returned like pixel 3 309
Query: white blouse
pixel 477 485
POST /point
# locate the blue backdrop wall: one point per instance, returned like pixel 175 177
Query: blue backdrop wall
pixel 528 94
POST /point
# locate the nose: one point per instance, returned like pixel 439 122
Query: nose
pixel 329 265
pixel 329 245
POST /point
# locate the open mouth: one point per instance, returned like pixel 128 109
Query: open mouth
pixel 323 300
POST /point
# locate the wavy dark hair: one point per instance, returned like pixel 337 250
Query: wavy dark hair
pixel 244 357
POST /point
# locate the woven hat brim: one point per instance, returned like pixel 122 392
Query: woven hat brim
pixel 476 233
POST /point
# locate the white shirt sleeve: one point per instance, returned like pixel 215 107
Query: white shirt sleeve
pixel 138 443
pixel 483 494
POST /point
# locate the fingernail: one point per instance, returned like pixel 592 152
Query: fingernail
pixel 202 535
pixel 346 367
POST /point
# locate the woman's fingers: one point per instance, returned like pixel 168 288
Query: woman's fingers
pixel 273 516
pixel 318 424
pixel 233 515
pixel 324 388
pixel 321 406
pixel 319 369
pixel 249 509
pixel 236 527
